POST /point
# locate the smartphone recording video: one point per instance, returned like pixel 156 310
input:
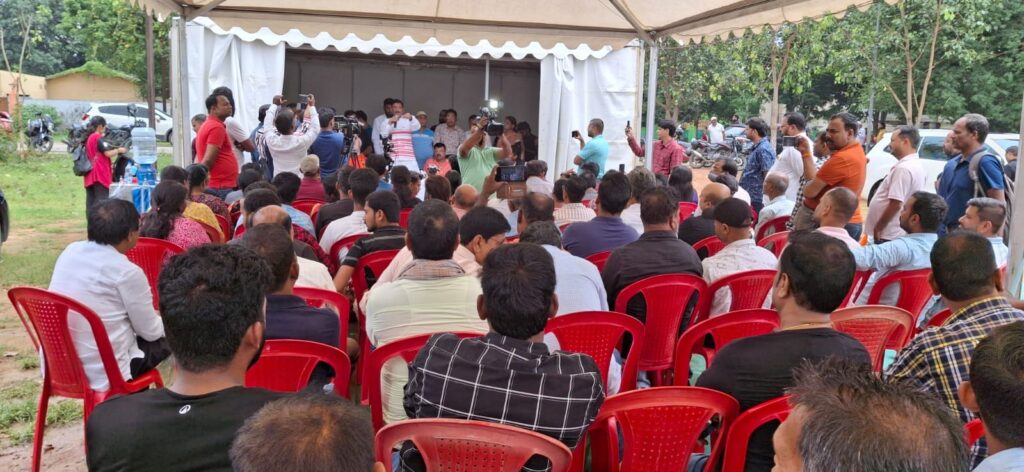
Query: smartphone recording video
pixel 511 174
pixel 789 141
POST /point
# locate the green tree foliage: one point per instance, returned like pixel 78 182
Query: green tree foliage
pixel 49 50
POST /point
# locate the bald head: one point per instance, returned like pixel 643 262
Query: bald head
pixel 465 196
pixel 843 201
pixel 712 194
pixel 273 214
pixel 775 184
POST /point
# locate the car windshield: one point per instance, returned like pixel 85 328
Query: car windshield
pixel 735 131
pixel 1008 143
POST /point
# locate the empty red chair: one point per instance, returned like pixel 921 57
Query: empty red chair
pixel 306 205
pixel 403 218
pixel 597 334
pixel 877 327
pixel 660 427
pixel 860 279
pixel 318 297
pixel 225 225
pixel 772 226
pixel 345 243
pixel 722 329
pixel 285 365
pixel 686 209
pixel 406 348
pixel 213 233
pixel 739 433
pixel 150 254
pixel 45 316
pixel 599 259
pixel 748 290
pixel 711 245
pixel 667 297
pixel 915 291
pixel 375 262
pixel 775 242
pixel 974 430
pixel 465 445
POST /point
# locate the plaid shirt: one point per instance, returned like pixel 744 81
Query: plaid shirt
pixel 573 213
pixel 819 161
pixel 503 380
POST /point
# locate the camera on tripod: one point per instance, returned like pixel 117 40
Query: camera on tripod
pixel 350 128
pixel 494 126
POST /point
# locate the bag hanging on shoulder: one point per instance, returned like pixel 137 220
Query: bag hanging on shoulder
pixel 979 190
pixel 81 165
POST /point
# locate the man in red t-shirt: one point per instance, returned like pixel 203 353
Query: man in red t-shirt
pixel 213 146
pixel 846 168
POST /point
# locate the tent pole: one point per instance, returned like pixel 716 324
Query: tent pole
pixel 179 91
pixel 652 90
pixel 1016 229
pixel 487 79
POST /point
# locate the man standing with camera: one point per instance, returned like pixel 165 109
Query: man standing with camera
pixel 328 145
pixel 596 150
pixel 399 128
pixel 476 159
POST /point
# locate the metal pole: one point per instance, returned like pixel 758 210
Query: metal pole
pixel 150 72
pixel 487 79
pixel 871 99
pixel 1016 229
pixel 652 90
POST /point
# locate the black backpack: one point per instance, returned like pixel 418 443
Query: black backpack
pixel 979 191
pixel 81 164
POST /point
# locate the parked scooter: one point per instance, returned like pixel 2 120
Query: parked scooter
pixel 40 131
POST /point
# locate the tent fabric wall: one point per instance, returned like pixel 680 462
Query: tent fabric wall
pixel 573 92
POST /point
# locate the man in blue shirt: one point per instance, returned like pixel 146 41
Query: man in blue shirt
pixel 328 145
pixel 956 185
pixel 605 232
pixel 422 141
pixel 596 150
pixel 761 159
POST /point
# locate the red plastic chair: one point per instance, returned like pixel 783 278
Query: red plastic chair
pixel 403 218
pixel 860 279
pixel 225 225
pixel 235 210
pixel 599 259
pixel 877 327
pixel 710 244
pixel 285 365
pixel 318 297
pixel 660 427
pixel 212 232
pixel 739 433
pixel 974 430
pixel 451 444
pixel 314 212
pixel 775 242
pixel 772 226
pixel 239 232
pixel 45 316
pixel 512 240
pixel 748 289
pixel 686 209
pixel 306 205
pixel 375 262
pixel 667 297
pixel 939 319
pixel 723 330
pixel 597 334
pixel 915 291
pixel 406 348
pixel 345 243
pixel 564 227
pixel 150 254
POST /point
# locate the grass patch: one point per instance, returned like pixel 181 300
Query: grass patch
pixel 18 406
pixel 32 266
pixel 42 189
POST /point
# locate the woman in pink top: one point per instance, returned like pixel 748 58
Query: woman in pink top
pixel 165 220
pixel 97 182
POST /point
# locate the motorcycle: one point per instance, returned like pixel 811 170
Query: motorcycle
pixel 705 153
pixel 120 136
pixel 40 131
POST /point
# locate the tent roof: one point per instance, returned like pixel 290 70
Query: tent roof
pixel 572 23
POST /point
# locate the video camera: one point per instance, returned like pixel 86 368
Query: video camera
pixel 494 125
pixel 350 128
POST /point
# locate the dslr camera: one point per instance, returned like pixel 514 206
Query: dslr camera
pixel 494 125
pixel 350 128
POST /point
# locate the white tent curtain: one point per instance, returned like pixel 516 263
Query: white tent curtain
pixel 573 92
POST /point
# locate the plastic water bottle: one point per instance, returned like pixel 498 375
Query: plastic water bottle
pixel 144 154
pixel 130 173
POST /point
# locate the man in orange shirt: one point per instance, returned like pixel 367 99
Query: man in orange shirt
pixel 214 149
pixel 846 168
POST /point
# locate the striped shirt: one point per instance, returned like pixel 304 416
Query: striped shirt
pixel 400 132
pixel 573 213
pixel 382 239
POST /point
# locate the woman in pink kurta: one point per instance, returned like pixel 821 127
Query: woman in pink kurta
pixel 97 181
pixel 165 220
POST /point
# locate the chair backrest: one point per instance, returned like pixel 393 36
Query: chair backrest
pixel 512 240
pixel 306 205
pixel 403 218
pixel 285 365
pixel 235 210
pixel 599 259
pixel 723 329
pixel 597 334
pixel 667 297
pixel 376 262
pixel 150 254
pixel 455 444
pixel 775 242
pixel 225 225
pixel 406 348
pixel 314 212
pixel 345 243
pixel 239 231
pixel 940 318
pixel 772 226
pixel 564 227
pixel 749 290
pixel 213 233
pixel 711 245
pixel 915 291
pixel 686 209
pixel 660 427
pixel 45 316
pixel 974 430
pixel 739 433
pixel 877 327
pixel 318 297
pixel 860 279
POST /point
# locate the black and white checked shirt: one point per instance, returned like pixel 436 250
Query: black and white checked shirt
pixel 503 380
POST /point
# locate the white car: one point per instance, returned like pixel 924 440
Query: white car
pixel 933 158
pixel 117 115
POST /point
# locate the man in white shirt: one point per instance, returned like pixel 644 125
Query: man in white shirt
pixel 573 211
pixel 905 178
pixel 236 131
pixel 789 162
pixel 312 273
pixel 378 125
pixel 431 294
pixel 986 217
pixel 399 128
pixel 776 203
pixel 834 212
pixel 361 184
pixel 715 131
pixel 640 180
pixel 741 253
pixel 287 147
pixel 97 274
pixel 536 171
